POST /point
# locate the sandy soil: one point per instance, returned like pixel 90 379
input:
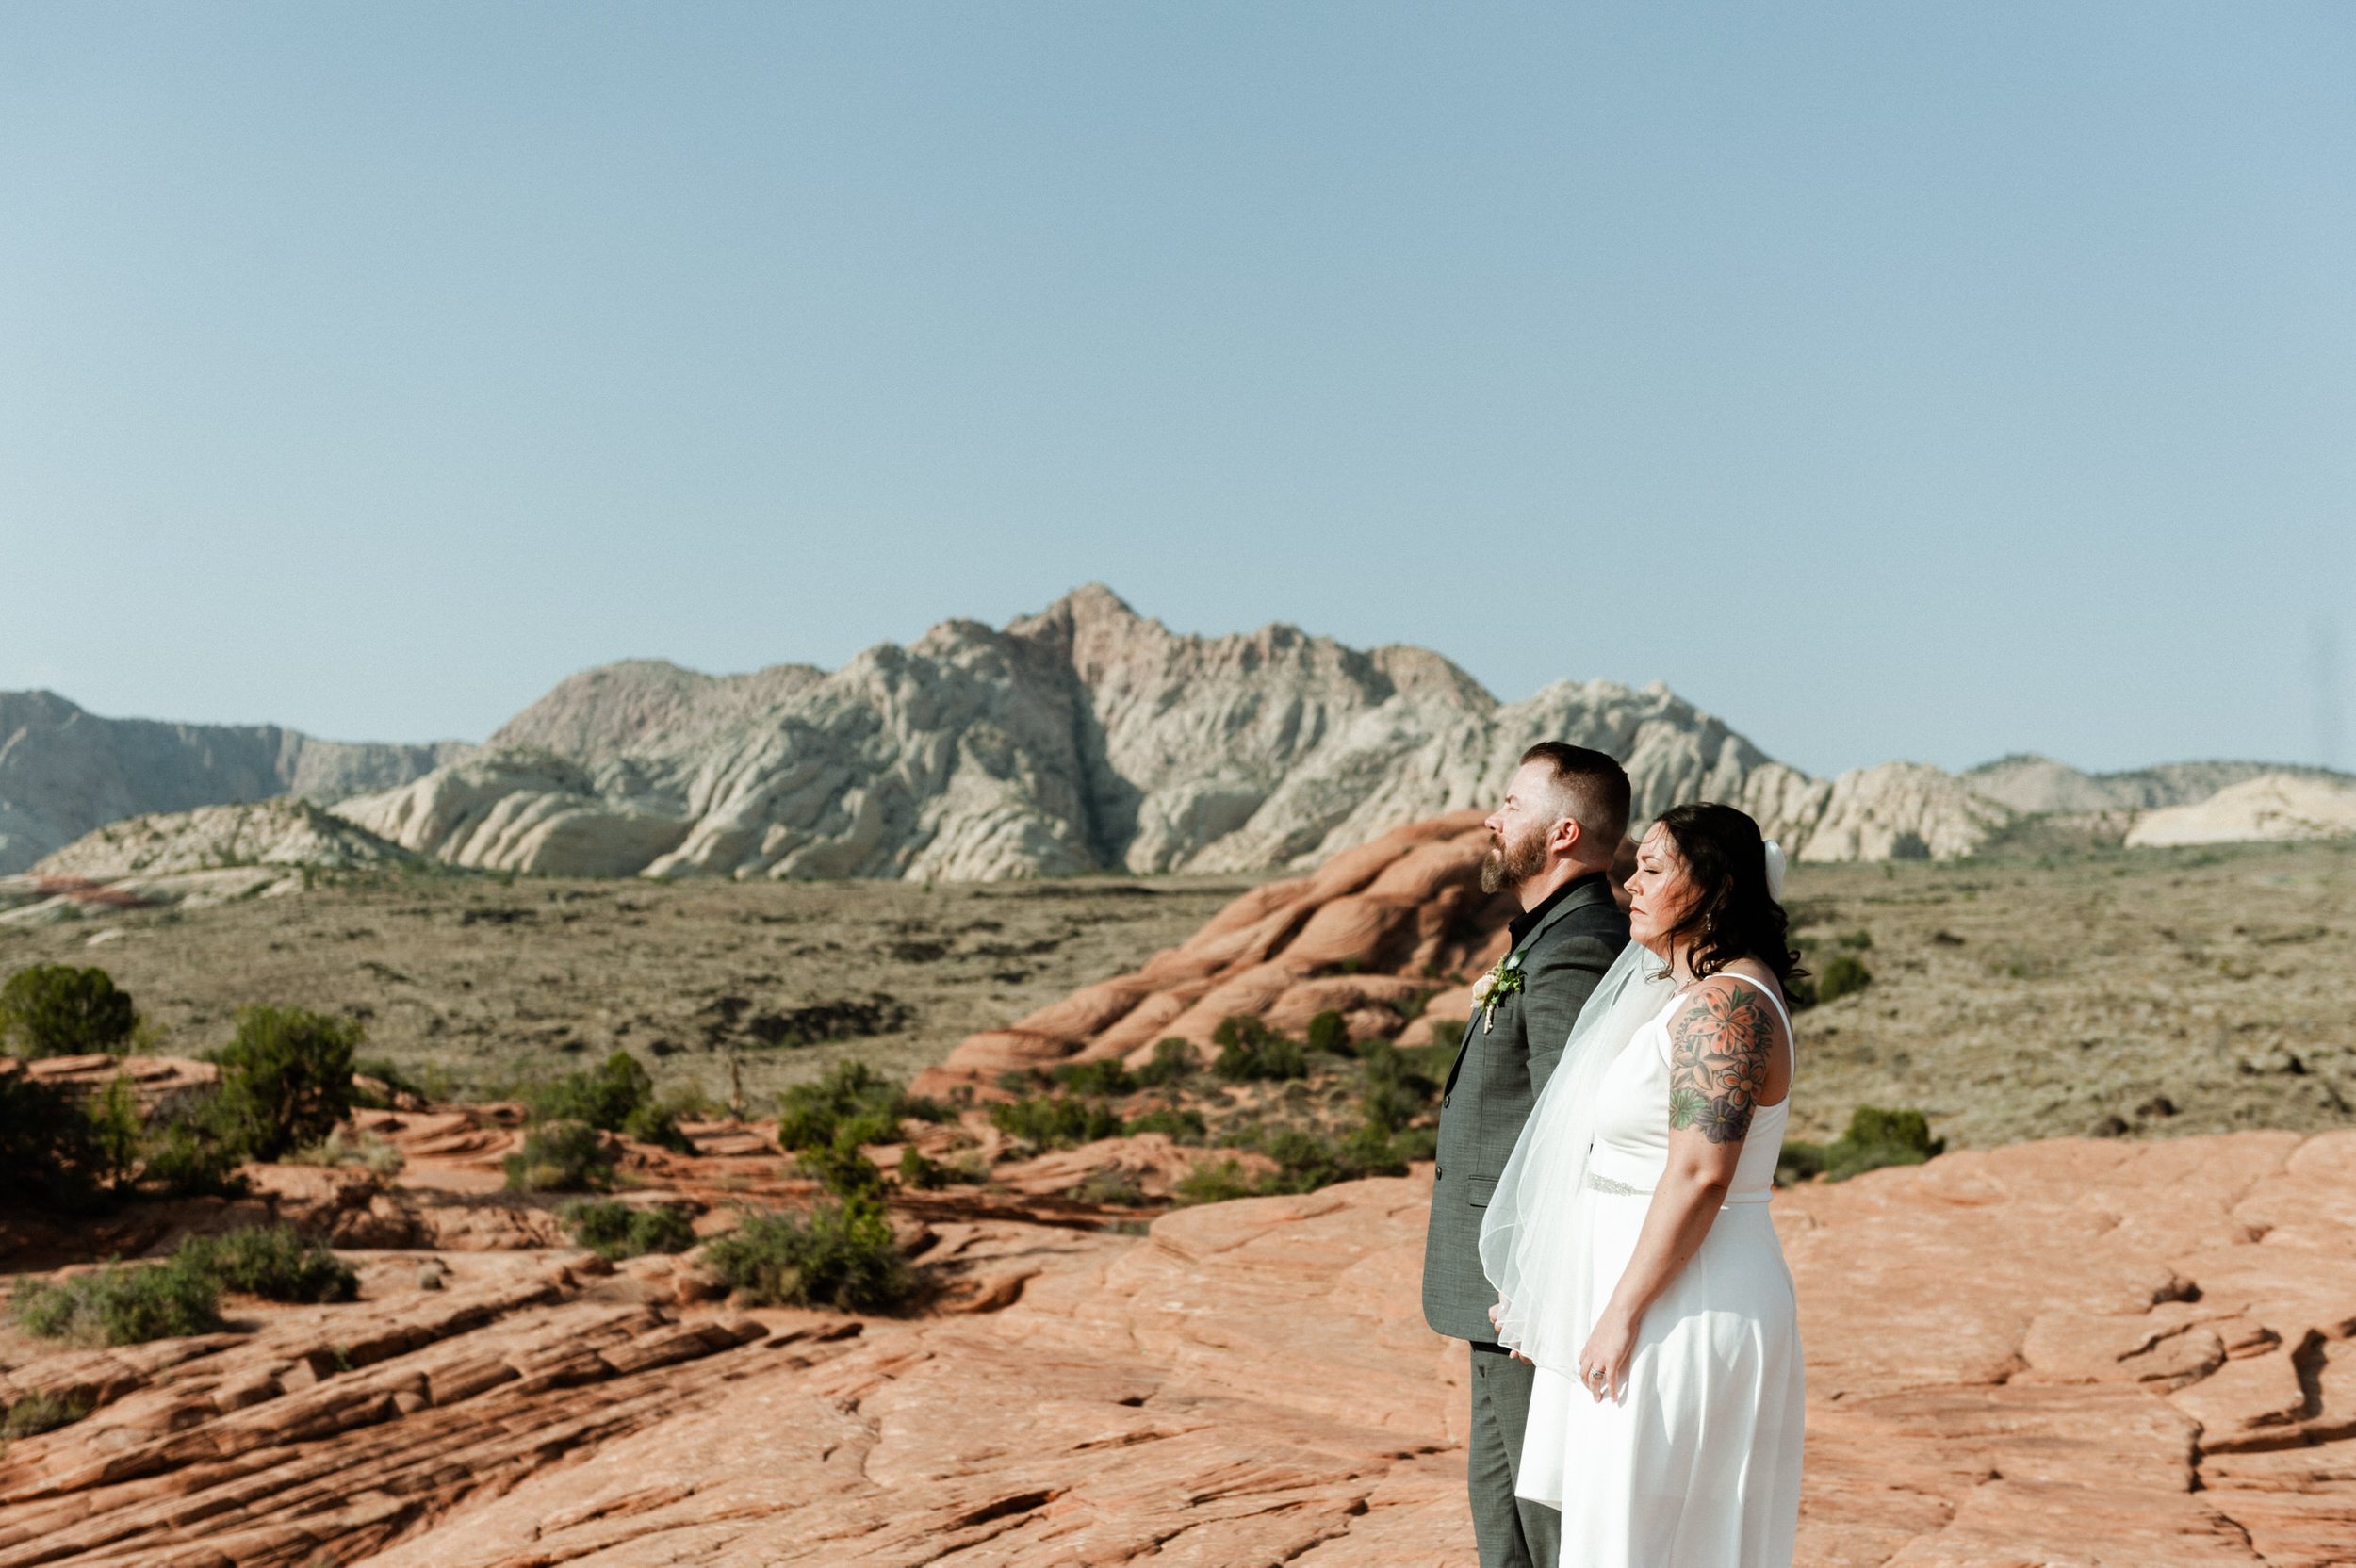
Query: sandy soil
pixel 2144 993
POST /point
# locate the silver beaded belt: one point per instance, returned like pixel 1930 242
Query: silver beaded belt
pixel 1618 1189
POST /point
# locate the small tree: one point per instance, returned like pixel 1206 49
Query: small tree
pixel 286 1079
pixel 58 1011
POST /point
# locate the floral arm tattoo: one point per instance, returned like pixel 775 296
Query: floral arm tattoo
pixel 1718 1062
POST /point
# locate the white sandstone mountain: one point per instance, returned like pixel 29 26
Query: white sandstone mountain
pixel 287 831
pixel 2271 806
pixel 64 772
pixel 1081 739
pixel 1085 737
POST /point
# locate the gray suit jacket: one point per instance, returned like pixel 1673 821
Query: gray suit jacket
pixel 1493 1087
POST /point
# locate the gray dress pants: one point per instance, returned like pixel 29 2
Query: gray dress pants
pixel 1512 1531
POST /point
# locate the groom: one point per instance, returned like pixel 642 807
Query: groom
pixel 1551 843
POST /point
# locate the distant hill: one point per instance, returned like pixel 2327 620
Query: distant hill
pixel 1085 737
pixel 64 772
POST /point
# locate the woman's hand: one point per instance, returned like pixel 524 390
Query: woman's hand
pixel 1603 1365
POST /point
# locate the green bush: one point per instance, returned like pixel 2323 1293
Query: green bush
pixel 853 1097
pixel 841 1166
pixel 122 1304
pixel 388 1073
pixel 1329 1032
pixel 1107 1077
pixel 1448 1033
pixel 49 1147
pixel 273 1262
pixel 1305 1162
pixel 1251 1050
pixel 615 1096
pixel 560 1157
pixel 37 1413
pixel 1845 974
pixel 1055 1121
pixel 839 1255
pixel 1181 1125
pixel 1216 1181
pixel 1875 1138
pixel 1111 1188
pixel 1173 1059
pixel 58 1011
pixel 1397 1089
pixel 367 1151
pixel 187 1155
pixel 614 1230
pixel 286 1080
pixel 1858 941
pixel 923 1174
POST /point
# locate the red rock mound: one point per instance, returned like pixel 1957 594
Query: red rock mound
pixel 2081 1355
pixel 1390 921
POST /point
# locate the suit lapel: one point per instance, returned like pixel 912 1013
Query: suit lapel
pixel 1590 890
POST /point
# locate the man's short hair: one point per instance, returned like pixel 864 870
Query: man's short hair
pixel 1594 789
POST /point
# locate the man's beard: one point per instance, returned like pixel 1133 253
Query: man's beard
pixel 1511 865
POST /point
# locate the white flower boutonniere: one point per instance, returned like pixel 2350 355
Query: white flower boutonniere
pixel 1496 985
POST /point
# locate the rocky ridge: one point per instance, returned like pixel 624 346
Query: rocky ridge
pixel 65 772
pixel 2271 806
pixel 1085 738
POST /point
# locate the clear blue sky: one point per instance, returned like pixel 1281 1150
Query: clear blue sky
pixel 1892 380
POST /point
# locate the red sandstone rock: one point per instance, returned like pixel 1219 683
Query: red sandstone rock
pixel 2076 1353
pixel 1387 921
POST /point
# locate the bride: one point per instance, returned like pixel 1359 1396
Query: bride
pixel 1629 1236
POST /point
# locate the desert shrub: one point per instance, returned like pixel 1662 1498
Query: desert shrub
pixel 1397 1091
pixel 388 1073
pixel 1845 974
pixel 841 1166
pixel 615 1096
pixel 1055 1121
pixel 1875 1137
pixel 1173 1059
pixel 1113 1187
pixel 921 1173
pixel 839 1255
pixel 1251 1050
pixel 1856 942
pixel 188 1156
pixel 122 1304
pixel 48 1148
pixel 273 1262
pixel 286 1080
pixel 1216 1181
pixel 1330 1032
pixel 614 1230
pixel 560 1157
pixel 1183 1125
pixel 39 1413
pixel 853 1097
pixel 60 1010
pixel 1799 990
pixel 1105 1077
pixel 1448 1033
pixel 365 1150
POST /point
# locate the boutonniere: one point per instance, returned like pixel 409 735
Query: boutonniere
pixel 1496 985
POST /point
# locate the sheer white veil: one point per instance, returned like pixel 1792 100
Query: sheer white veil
pixel 1533 1236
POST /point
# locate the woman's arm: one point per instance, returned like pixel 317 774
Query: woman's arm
pixel 1720 1047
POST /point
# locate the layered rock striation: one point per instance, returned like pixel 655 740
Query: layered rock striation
pixel 2080 1352
pixel 1383 935
pixel 1085 738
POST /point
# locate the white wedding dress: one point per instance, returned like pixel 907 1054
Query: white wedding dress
pixel 1698 1465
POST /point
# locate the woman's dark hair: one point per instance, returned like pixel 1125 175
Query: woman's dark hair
pixel 1732 916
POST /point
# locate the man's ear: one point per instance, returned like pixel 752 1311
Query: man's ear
pixel 1563 840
